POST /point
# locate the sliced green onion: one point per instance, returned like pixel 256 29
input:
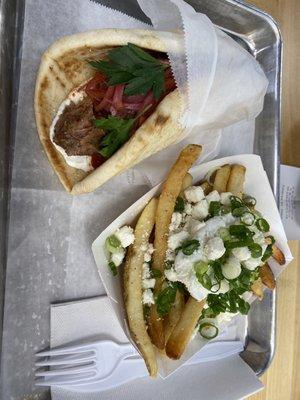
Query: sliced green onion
pixel 232 244
pixel 215 287
pixel 236 202
pixel 256 250
pixel 113 268
pixel 189 246
pixel 177 250
pixel 200 267
pixel 214 208
pixel 224 233
pixel 179 204
pixel 268 253
pixel 169 264
pixel 239 211
pixel 248 218
pixel 270 240
pixel 208 330
pixel 204 280
pixel 225 210
pixel 112 244
pixel 249 201
pixel 262 225
pixel 240 231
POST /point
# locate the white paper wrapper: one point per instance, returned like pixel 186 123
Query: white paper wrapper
pixel 256 185
pixel 224 83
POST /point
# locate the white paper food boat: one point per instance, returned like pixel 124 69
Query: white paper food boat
pixel 256 185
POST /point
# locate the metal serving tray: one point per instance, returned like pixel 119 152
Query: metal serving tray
pixel 252 28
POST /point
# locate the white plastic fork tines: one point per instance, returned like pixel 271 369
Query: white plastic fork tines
pixel 82 364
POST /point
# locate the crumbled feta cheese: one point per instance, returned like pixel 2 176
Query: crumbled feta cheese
pixel 148 283
pixel 225 198
pixel 146 271
pixel 171 275
pixel 252 263
pixel 170 255
pixel 175 239
pixel 148 253
pixel 232 268
pixel 213 196
pixel 195 288
pixel 188 208
pixel 193 225
pixel 194 194
pixel 118 257
pixel 241 253
pixel 175 221
pixel 214 248
pixel 247 296
pixel 200 210
pixel 148 297
pixel 125 235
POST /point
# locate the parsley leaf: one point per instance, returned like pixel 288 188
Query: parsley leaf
pixel 135 67
pixel 118 132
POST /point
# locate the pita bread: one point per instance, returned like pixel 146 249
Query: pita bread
pixel 63 67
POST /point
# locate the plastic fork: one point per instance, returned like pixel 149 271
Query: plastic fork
pixel 82 364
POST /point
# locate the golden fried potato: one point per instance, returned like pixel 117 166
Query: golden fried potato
pixel 183 331
pixel 267 276
pixel 236 180
pixel 133 286
pixel 221 178
pixel 165 208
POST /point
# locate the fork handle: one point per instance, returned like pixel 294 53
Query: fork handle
pixel 127 350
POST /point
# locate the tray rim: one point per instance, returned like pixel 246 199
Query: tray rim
pixel 247 7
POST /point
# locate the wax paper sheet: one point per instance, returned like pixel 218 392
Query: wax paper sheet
pixel 50 232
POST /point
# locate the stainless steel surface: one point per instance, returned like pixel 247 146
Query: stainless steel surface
pixel 11 17
pixel 259 34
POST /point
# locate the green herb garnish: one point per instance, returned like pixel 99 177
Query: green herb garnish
pixel 208 330
pixel 268 253
pixel 214 208
pixel 249 201
pixel 189 246
pixel 179 204
pixel 263 225
pixel 118 132
pixel 169 264
pixel 135 67
pixel 165 299
pixel 112 244
pixel 113 268
pixel 256 250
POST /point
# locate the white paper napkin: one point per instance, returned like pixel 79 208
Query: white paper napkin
pixel 94 319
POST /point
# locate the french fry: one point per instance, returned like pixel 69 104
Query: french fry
pixel 133 286
pixel 207 187
pixel 257 288
pixel 187 182
pixel 174 315
pixel 183 331
pixel 267 276
pixel 165 208
pixel 221 178
pixel 236 180
pixel 278 255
